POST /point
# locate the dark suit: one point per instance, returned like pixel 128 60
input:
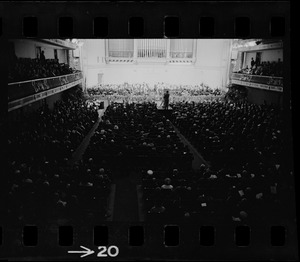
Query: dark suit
pixel 166 100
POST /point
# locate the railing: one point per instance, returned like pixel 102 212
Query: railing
pixel 257 81
pixel 61 43
pixel 22 89
pixel 181 60
pixel 27 92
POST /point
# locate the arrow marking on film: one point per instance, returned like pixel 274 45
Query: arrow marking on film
pixel 86 252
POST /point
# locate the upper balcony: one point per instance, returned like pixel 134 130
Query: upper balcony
pixel 60 43
pixel 26 92
pixel 258 81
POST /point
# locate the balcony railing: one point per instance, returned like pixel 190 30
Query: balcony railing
pixel 26 92
pixel 258 81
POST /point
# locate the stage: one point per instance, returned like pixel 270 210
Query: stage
pixel 161 110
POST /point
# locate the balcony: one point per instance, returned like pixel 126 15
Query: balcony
pixel 257 81
pixel 61 43
pixel 26 92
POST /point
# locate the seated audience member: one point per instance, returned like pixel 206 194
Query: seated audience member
pixel 167 184
pixel 22 69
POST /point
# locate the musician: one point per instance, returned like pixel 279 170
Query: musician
pixel 166 100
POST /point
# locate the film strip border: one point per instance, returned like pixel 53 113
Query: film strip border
pixel 156 241
pixel 146 19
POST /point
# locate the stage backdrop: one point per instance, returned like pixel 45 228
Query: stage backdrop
pixel 211 65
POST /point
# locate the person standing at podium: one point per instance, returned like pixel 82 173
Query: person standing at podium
pixel 166 100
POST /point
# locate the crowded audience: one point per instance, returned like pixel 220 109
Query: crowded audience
pixel 21 69
pixel 236 94
pixel 136 135
pixel 39 150
pixel 219 197
pixel 264 68
pixel 242 179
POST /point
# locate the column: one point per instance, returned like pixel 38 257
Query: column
pixel 106 49
pixel 148 47
pixel 228 63
pixel 143 48
pixel 194 50
pixel 168 48
pixel 135 48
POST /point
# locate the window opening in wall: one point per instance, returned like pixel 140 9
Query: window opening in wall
pixel 55 54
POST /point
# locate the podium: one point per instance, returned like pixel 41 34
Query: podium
pixel 166 112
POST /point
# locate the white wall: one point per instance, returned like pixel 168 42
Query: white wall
pixel 172 74
pixel 93 51
pixel 267 55
pixel 62 56
pixel 210 68
pixel 48 52
pixel 25 49
pixel 272 55
pixel 209 52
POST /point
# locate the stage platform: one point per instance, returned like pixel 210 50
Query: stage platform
pixel 161 110
pixel 166 112
pixel 159 105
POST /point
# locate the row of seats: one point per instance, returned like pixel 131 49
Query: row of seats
pixel 265 68
pixel 136 135
pixel 245 180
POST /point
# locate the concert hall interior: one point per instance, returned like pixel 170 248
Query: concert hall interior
pixel 143 130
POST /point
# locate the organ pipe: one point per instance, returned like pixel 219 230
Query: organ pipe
pixel 147 48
